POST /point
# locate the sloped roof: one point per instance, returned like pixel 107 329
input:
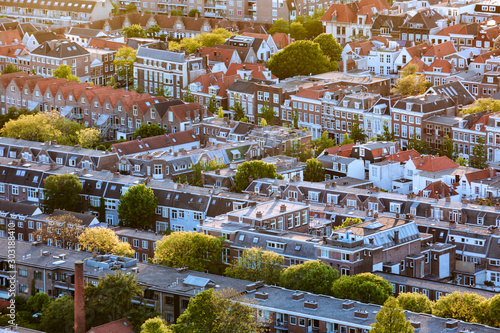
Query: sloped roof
pixel 257 70
pixel 155 142
pixel 418 50
pixel 345 13
pixel 219 54
pixel 455 90
pixel 434 163
pixel 281 40
pixel 344 150
pixel 440 63
pixel 480 174
pixel 117 326
pixel 403 156
pixel 438 190
pixel 10 37
pixel 441 50
pixel 421 66
pixel 223 81
pixel 61 50
pixel 97 43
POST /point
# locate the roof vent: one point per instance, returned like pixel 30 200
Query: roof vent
pixel 181 269
pixel 282 208
pixel 311 305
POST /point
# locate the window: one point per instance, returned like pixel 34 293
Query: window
pixel 145 244
pixel 293 320
pixel 395 207
pixel 15 190
pixel 23 272
pixel 302 322
pixel 136 243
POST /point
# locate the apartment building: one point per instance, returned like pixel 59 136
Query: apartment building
pixel 158 68
pixel 142 242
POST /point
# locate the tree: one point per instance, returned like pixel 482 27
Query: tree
pixel 155 325
pixel 297 31
pixel 254 170
pixel 220 113
pixel 257 265
pixel 330 47
pixel 357 133
pixel 13 113
pixel 212 104
pixel 38 302
pixel 131 8
pixel 194 178
pixel 111 298
pixel 314 171
pixel 448 149
pixel 134 30
pixel 479 155
pixel 458 305
pixel 63 229
pixel 348 222
pixel 419 145
pixel 136 208
pixel 280 26
pixel 462 161
pixel 387 134
pixel 64 72
pixel 194 12
pixel 262 122
pixel 346 140
pixel 163 91
pixel 415 302
pixel 62 192
pixel 483 104
pixel 488 311
pixel 58 316
pixel 410 83
pixel 148 130
pixel 197 251
pixel 103 240
pixel 10 68
pixel 237 108
pixel 298 150
pixel 299 58
pixel 88 137
pixel 391 319
pixel 322 143
pixel 153 31
pixel 267 113
pixel 295 119
pixel 313 276
pixel 211 39
pixel 188 97
pixel 124 61
pixel 364 287
pixel 217 312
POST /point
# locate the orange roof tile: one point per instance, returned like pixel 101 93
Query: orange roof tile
pixel 480 174
pixel 281 40
pixel 117 326
pixel 257 70
pixel 403 156
pixel 421 66
pixel 97 43
pixel 440 63
pixel 438 190
pixel 441 50
pixel 344 150
pixel 434 163
pixel 10 37
pixel 344 13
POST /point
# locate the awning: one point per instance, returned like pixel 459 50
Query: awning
pixel 32 105
pixel 103 119
pixel 67 110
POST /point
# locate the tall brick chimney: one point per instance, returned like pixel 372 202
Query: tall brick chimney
pixel 79 298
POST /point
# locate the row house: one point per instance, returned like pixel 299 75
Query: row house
pixel 462 36
pixel 388 25
pixel 60 13
pixel 158 68
pixel 212 85
pixel 275 140
pixel 170 290
pixel 16 55
pixel 259 45
pixel 422 25
pixel 467 133
pixel 82 36
pixel 142 242
pixel 102 67
pixel 215 130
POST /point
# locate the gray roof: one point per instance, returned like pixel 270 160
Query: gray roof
pixel 160 54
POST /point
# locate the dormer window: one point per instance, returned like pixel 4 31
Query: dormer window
pixel 357 105
pixel 213 90
pixel 490 79
pixel 346 103
pixel 478 127
pixel 409 106
pixel 437 69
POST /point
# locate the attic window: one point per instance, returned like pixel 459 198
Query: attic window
pixel 255 240
pixel 241 238
pixel 490 79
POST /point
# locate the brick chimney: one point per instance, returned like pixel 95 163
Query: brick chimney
pixel 79 298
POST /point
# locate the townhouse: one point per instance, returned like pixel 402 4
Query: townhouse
pixel 422 25
pixel 142 242
pixel 212 85
pixel 259 45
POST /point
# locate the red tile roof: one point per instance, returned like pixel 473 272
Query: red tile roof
pixel 421 66
pixel 10 37
pixel 155 142
pixel 281 40
pixel 344 150
pixel 418 50
pixel 180 111
pixel 117 326
pixel 453 29
pixel 13 51
pixel 480 174
pixel 97 43
pixel 344 13
pixel 440 63
pixel 219 54
pixel 438 190
pixel 441 50
pixel 257 70
pixel 434 163
pixel 6 78
pixel 403 156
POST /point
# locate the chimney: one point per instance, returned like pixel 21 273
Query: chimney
pixel 298 296
pixel 396 236
pixel 261 295
pixel 347 305
pixel 492 172
pixel 451 324
pixel 361 314
pixel 311 305
pixel 415 324
pixel 258 214
pixel 79 298
pixel 282 208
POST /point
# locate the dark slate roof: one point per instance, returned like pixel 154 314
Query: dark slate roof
pixel 60 50
pixel 17 208
pixel 246 87
pixel 243 128
pixel 426 103
pixel 44 36
pixel 84 32
pixel 162 107
pixel 85 218
pixel 455 90
pixel 160 54
pixel 390 21
pixel 427 17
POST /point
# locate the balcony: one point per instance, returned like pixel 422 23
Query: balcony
pixel 253 8
pixel 281 325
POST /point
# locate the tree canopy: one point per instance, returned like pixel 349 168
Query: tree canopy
pixel 387 133
pixel 14 113
pixel 10 68
pixel 314 171
pixel 192 44
pixel 410 83
pixel 134 30
pixel 458 305
pixel 255 264
pixel 312 276
pixel 479 157
pixel 103 240
pixel 64 230
pixel 391 319
pixel 238 110
pixel 136 208
pixel 364 287
pixel 148 130
pixel 62 192
pixel 329 46
pixel 254 170
pixel 155 325
pixel 58 316
pixel 267 114
pixel 483 104
pixel 194 178
pixel 348 222
pixel 124 61
pixel 299 58
pixel 88 137
pixel 195 250
pixel 357 132
pixel 415 302
pixel 64 72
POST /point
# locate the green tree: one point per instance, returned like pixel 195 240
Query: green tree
pixel 153 31
pixel 298 150
pixel 419 145
pixel 10 68
pixel 58 316
pixel 346 140
pixel 387 133
pixel 462 161
pixel 299 58
pixel 217 312
pixel 479 155
pixel 194 178
pixel 267 113
pixel 364 287
pixel 458 305
pixel 280 26
pixel 314 171
pixel 104 240
pixel 88 137
pixel 220 113
pixel 135 30
pixel 188 97
pixel 136 208
pixel 65 230
pixel 62 192
pixel 111 298
pixel 211 39
pixel 410 83
pixel 415 302
pixel 329 46
pixel 148 130
pixel 197 251
pixel 262 122
pixel 131 8
pixel 13 113
pixel 163 91
pixel 295 119
pixel 212 105
pixel 391 319
pixel 348 222
pixel 483 104
pixel 64 72
pixel 237 108
pixel 448 149
pixel 254 170
pixel 297 31
pixel 357 133
pixel 124 61
pixel 155 325
pixel 322 143
pixel 488 311
pixel 193 12
pixel 313 276
pixel 255 264
pixel 38 302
